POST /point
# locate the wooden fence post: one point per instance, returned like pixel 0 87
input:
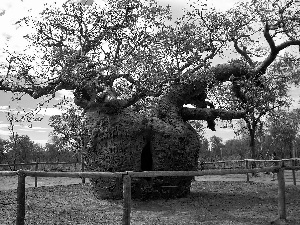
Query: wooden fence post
pixel 82 169
pixel 247 167
pixel 36 169
pixel 281 195
pixel 21 198
pixel 127 199
pixel 293 172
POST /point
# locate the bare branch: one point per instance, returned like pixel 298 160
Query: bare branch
pixel 243 53
pixel 36 91
pixel 269 39
pixel 287 44
pixel 262 67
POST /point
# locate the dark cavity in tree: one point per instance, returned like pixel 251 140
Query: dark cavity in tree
pixel 146 157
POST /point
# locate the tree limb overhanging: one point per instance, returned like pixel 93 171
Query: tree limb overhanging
pixel 210 114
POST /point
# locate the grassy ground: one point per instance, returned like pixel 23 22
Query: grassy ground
pixel 210 203
pixel 8 183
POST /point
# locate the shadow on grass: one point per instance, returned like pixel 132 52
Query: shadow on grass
pixel 219 203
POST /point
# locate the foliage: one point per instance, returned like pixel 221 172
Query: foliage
pixel 198 126
pixel 205 153
pixel 283 130
pixel 2 149
pixel 216 147
pixel 260 98
pixel 122 54
pixel 69 129
pixel 55 151
pixel 19 149
pixel 235 149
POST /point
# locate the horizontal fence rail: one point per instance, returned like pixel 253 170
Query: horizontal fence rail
pixel 34 163
pixel 200 173
pixel 36 167
pixel 8 173
pixel 72 174
pixel 247 163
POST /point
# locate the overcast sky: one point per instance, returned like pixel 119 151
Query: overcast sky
pixel 10 12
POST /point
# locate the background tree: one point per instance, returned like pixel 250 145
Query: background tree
pixel 39 153
pixel 19 149
pixel 2 150
pixel 235 149
pixel 124 54
pixel 216 147
pixel 70 130
pixel 284 129
pixel 57 152
pixel 272 94
pixel 205 154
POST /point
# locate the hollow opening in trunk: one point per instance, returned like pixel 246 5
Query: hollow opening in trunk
pixel 146 157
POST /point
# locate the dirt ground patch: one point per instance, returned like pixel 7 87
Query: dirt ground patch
pixel 210 203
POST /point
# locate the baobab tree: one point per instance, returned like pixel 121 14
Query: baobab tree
pixel 133 71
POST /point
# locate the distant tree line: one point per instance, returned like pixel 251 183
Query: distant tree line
pixel 21 149
pixel 279 134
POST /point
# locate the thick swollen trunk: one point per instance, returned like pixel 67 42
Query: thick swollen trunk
pixel 128 141
pixel 123 140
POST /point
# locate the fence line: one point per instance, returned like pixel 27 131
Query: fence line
pixel 127 184
pixel 248 164
pixel 200 173
pixel 251 160
pixel 73 174
pixel 36 164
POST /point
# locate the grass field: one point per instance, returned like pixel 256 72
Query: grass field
pixel 228 201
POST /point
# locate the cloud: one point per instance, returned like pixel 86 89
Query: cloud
pixel 4 129
pixel 5 4
pixel 50 111
pixel 294 92
pixel 4 108
pixel 4 125
pixel 224 133
pixel 64 93
pixel 86 2
pixel 35 129
pixel 41 142
pixel 5 133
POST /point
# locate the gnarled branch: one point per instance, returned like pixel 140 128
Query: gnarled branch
pixel 262 67
pixel 243 52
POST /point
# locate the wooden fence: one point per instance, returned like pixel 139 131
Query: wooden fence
pixel 227 164
pixel 248 163
pixel 126 176
pixel 36 167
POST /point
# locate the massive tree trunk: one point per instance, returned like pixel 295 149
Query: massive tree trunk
pixel 124 140
pixel 128 141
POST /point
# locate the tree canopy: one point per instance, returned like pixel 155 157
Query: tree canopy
pixel 117 54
